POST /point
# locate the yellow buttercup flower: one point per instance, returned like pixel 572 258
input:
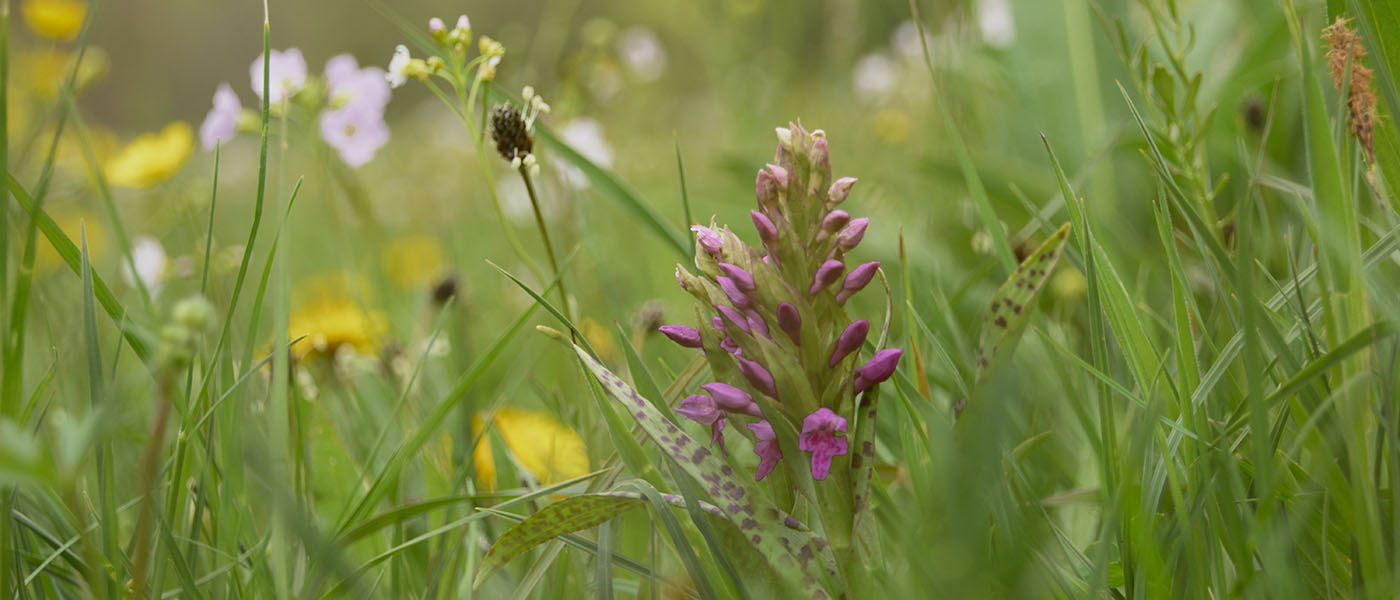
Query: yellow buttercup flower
pixel 74 224
pixel 152 157
pixel 330 325
pixel 600 337
pixel 44 71
pixel 412 261
pixel 548 449
pixel 55 19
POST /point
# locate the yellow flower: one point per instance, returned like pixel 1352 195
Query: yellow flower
pixel 43 72
pixel 330 325
pixel 152 157
pixel 548 449
pixel 74 224
pixel 892 125
pixel 55 19
pixel 412 261
pixel 600 337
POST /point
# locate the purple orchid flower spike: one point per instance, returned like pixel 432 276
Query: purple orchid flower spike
pixel 743 279
pixel 758 376
pixel 856 280
pixel 790 322
pixel 700 408
pixel 708 239
pixel 819 436
pixel 880 368
pixel 849 342
pixel 680 334
pixel 766 447
pixel 826 275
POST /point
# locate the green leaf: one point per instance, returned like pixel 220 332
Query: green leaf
pixel 1011 304
pixel 571 514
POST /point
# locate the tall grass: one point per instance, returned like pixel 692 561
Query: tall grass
pixel 1202 403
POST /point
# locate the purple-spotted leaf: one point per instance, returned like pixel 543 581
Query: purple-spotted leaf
pixel 1012 304
pixel 571 514
pixel 785 542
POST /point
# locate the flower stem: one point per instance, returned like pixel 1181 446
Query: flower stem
pixel 544 233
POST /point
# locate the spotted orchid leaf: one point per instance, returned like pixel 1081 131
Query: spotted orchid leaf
pixel 571 514
pixel 1011 306
pixel 786 543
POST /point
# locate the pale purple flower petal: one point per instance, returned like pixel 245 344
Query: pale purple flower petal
pixel 838 191
pixel 856 280
pixel 349 84
pixel 835 220
pixel 728 397
pixel 355 132
pixel 732 291
pixel 766 447
pixel 286 72
pixel 819 436
pixel 852 234
pixel 734 317
pixel 717 434
pixel 766 230
pixel 222 121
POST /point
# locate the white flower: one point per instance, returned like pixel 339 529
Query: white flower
pixel 436 26
pixel 997 23
pixel 222 121
pixel 151 264
pixel 905 40
pixel 874 76
pixel 642 52
pixel 586 136
pixel 398 67
pixel 286 74
pixel 349 84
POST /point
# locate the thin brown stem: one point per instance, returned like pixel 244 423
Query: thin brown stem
pixel 141 557
pixel 544 234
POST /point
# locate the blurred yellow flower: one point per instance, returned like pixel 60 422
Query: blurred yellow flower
pixel 152 157
pixel 330 325
pixel 44 71
pixel 600 337
pixel 548 449
pixel 412 261
pixel 74 223
pixel 892 125
pixel 1068 284
pixel 55 19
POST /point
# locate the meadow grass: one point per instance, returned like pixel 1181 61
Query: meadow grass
pixel 1193 396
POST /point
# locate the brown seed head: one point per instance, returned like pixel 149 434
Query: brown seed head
pixel 1344 61
pixel 511 133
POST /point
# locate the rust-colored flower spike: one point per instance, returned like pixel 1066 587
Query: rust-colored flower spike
pixel 511 133
pixel 1344 60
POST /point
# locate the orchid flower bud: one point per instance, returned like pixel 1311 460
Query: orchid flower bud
pixel 757 323
pixel 826 275
pixel 766 189
pixel 741 278
pixel 790 322
pixel 767 231
pixel 727 396
pixel 849 341
pixel 838 191
pixel 717 322
pixel 856 280
pixel 880 368
pixel 834 221
pixel 780 175
pixel 708 240
pixel 821 155
pixel 852 234
pixel 758 376
pixel 680 334
pixel 729 345
pixel 700 408
pixel 734 317
pixel 731 290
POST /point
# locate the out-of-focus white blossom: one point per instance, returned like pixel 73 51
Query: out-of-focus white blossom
pixel 586 136
pixel 151 264
pixel 642 52
pixel 875 76
pixel 997 23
